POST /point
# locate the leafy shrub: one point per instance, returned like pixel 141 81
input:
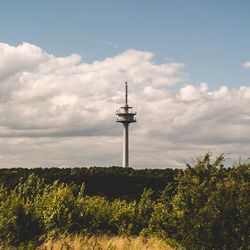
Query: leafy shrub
pixel 123 218
pixel 95 215
pixel 57 209
pixel 17 224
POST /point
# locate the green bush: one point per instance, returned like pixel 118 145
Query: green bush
pixel 123 217
pixel 17 224
pixel 209 209
pixel 57 209
pixel 95 214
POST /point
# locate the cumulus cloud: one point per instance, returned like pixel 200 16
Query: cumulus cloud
pixel 60 111
pixel 246 65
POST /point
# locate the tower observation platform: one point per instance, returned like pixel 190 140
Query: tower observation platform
pixel 125 116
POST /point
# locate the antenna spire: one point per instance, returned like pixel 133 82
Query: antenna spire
pixel 126 94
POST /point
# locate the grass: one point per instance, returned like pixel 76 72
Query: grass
pixel 105 243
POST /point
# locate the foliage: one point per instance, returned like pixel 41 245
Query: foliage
pixel 57 208
pixel 206 206
pixel 17 223
pixel 112 182
pixel 123 218
pixel 211 206
pixel 95 214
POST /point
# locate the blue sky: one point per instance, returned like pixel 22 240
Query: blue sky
pixel 210 37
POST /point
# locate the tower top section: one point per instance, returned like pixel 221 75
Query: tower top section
pixel 126 94
pixel 125 114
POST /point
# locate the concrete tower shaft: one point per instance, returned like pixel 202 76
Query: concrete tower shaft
pixel 125 116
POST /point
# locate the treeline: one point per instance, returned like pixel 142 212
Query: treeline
pixel 206 206
pixel 112 182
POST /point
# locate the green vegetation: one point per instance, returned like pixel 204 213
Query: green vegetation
pixel 205 206
pixel 112 182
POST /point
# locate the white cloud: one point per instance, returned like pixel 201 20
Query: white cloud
pixel 60 111
pixel 189 93
pixel 221 93
pixel 246 65
pixel 21 58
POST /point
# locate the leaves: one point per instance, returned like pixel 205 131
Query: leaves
pixel 206 206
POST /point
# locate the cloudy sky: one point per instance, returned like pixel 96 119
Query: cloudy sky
pixel 63 65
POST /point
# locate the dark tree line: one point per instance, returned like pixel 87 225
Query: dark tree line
pixel 112 182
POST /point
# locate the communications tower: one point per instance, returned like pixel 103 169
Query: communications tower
pixel 125 116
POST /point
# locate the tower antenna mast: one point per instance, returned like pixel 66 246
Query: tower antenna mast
pixel 126 94
pixel 125 116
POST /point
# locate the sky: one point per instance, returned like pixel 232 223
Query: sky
pixel 63 65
